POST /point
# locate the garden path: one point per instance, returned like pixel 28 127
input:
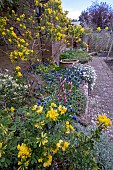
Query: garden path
pixel 101 98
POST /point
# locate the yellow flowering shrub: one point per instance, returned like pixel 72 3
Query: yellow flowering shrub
pixel 104 120
pixel 42 135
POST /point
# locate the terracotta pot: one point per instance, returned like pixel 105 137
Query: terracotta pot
pixel 68 62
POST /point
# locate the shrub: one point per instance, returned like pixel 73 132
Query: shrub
pixel 79 54
pixel 13 90
pixel 41 137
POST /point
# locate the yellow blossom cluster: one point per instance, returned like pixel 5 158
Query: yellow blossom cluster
pixel 68 127
pixel 18 40
pixel 53 113
pixel 48 162
pixel 18 68
pixel 38 109
pixel 60 145
pixel 3 22
pixel 56 23
pixel 102 119
pixel 24 151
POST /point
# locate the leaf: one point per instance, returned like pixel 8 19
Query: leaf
pixel 3 160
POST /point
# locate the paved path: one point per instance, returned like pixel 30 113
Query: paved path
pixel 101 98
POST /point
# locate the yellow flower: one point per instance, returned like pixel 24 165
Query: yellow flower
pixel 52 114
pixel 11 28
pixel 40 109
pixel 12 109
pixel 104 120
pixel 69 127
pixel 34 107
pixel 27 44
pixel 48 162
pixel 40 160
pixel 98 29
pixel 18 19
pixel 24 27
pixel 106 28
pixel 56 18
pixel 54 150
pixel 0 145
pixel 13 12
pixel 13 34
pixel 24 151
pixel 62 109
pixel 53 105
pixel 22 16
pixel 59 143
pixel 19 74
pixel 3 33
pixel 9 40
pixel 65 146
pixel 18 68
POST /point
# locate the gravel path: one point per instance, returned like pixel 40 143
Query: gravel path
pixel 101 98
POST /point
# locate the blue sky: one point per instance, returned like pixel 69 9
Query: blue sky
pixel 75 7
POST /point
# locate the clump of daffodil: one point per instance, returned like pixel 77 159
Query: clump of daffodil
pixel 104 120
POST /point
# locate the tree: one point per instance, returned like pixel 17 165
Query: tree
pixel 97 15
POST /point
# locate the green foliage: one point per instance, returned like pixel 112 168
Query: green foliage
pixel 104 152
pixel 79 54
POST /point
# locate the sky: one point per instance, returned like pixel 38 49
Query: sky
pixel 75 7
